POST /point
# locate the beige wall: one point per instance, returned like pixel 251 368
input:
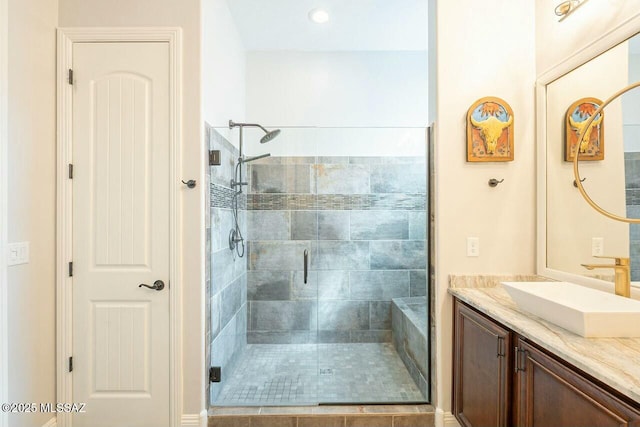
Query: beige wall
pixel 184 14
pixel 223 67
pixel 31 204
pixel 481 54
pixel 556 41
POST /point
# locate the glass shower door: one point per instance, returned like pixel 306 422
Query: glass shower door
pixel 282 285
pixel 333 304
pixel 370 264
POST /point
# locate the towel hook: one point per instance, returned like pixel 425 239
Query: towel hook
pixel 191 183
pixel 575 184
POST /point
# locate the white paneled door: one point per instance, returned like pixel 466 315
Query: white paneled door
pixel 121 234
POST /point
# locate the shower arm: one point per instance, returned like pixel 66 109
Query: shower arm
pixel 254 158
pixel 233 124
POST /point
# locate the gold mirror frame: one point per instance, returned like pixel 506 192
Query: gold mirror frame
pixel 576 172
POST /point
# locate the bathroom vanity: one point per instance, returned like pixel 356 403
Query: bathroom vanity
pixel 511 368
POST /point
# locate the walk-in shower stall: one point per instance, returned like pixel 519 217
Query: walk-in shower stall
pixel 317 280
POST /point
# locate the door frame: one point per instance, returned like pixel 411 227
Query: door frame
pixel 66 38
pixel 4 208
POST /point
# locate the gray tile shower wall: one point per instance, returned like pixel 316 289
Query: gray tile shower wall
pixel 632 180
pixel 410 338
pixel 227 287
pixel 363 222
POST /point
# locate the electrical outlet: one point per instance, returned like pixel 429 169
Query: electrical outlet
pixel 18 253
pixel 473 246
pixel 597 246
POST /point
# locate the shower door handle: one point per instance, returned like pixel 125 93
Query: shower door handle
pixel 306 265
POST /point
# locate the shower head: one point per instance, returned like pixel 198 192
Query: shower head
pixel 269 136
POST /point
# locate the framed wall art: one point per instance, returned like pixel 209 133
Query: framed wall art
pixel 592 145
pixel 490 131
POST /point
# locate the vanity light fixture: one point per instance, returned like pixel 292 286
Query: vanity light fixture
pixel 567 7
pixel 319 16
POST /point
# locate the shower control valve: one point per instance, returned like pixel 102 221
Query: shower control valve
pixel 235 183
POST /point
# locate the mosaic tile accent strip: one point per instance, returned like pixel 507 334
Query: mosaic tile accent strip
pixel 297 202
pixel 222 197
pixel 273 374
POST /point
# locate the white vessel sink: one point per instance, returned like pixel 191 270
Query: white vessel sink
pixel 582 310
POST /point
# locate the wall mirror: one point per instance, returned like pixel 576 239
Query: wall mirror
pixel 570 231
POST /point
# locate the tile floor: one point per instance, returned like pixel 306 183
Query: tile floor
pixel 298 374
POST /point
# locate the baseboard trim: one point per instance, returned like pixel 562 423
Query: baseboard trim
pixel 445 419
pixel 450 420
pixel 195 420
pixel 53 422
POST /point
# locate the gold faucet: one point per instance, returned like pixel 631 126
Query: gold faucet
pixel 623 273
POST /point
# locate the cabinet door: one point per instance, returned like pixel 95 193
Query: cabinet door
pixel 481 370
pixel 548 393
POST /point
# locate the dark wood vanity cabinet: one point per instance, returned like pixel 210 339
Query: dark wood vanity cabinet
pixel 501 379
pixel 482 362
pixel 549 393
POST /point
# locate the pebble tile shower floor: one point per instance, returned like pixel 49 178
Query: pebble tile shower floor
pixel 298 374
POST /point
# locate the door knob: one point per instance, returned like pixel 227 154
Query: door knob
pixel 158 285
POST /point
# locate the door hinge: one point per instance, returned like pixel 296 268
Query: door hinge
pixel 70 76
pixel 215 374
pixel 70 171
pixel 71 269
pixel 214 158
pixel 71 364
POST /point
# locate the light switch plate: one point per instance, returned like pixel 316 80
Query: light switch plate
pixel 473 246
pixel 18 253
pixel 597 246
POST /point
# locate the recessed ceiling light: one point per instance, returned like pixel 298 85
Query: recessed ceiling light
pixel 319 16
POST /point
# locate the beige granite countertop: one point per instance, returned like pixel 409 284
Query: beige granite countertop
pixel 614 361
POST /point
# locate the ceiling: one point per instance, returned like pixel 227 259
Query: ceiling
pixel 353 25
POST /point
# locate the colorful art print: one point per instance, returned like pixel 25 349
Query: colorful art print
pixel 490 131
pixel 592 145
